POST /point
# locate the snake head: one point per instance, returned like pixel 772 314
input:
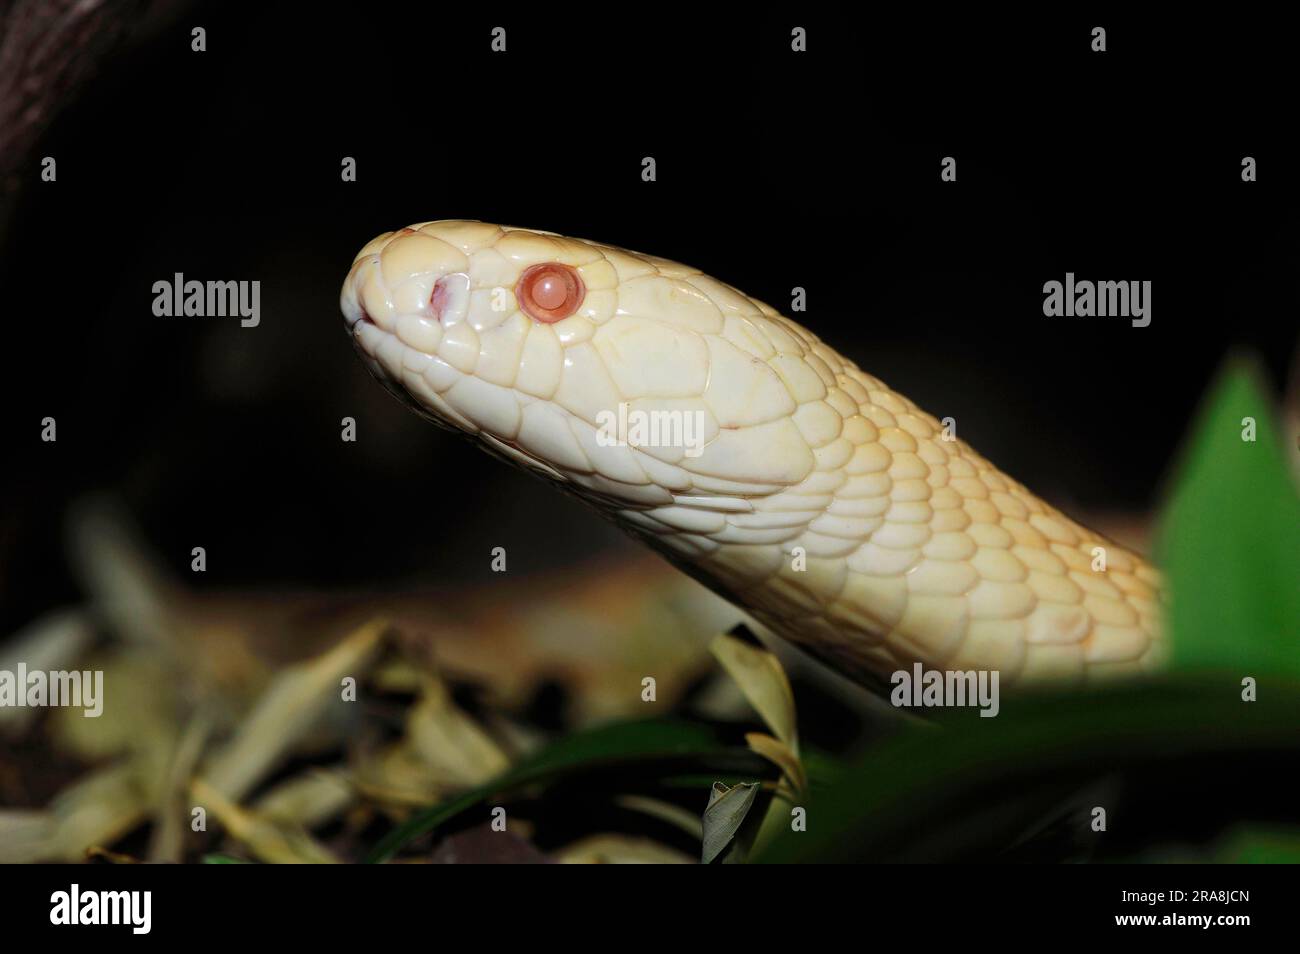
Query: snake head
pixel 628 377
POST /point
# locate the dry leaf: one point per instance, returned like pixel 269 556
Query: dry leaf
pixel 447 740
pixel 311 799
pixel 97 810
pixel 271 841
pixel 125 585
pixel 24 836
pixel 167 840
pixel 759 674
pixel 776 751
pixel 54 641
pixel 139 712
pixel 292 707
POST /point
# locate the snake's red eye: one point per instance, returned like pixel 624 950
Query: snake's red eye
pixel 550 292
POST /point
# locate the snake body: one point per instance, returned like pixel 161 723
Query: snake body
pixel 828 506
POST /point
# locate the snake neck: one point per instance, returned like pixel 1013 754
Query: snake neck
pixel 904 545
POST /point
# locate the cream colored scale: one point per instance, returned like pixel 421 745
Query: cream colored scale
pixel 827 505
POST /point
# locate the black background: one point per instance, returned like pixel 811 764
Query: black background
pixel 350 905
pixel 775 169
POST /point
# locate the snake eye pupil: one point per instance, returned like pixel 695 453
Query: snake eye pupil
pixel 550 292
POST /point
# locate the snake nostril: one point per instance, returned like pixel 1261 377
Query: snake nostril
pixel 365 317
pixel 438 300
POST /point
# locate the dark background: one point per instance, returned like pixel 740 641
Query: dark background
pixel 774 170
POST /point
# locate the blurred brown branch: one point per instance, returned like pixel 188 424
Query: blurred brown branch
pixel 47 49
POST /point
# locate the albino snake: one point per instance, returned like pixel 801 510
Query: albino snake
pixel 808 493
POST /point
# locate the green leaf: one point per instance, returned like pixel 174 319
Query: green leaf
pixel 655 748
pixel 967 791
pixel 1230 538
pixel 1253 845
pixel 1230 542
pixel 728 806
